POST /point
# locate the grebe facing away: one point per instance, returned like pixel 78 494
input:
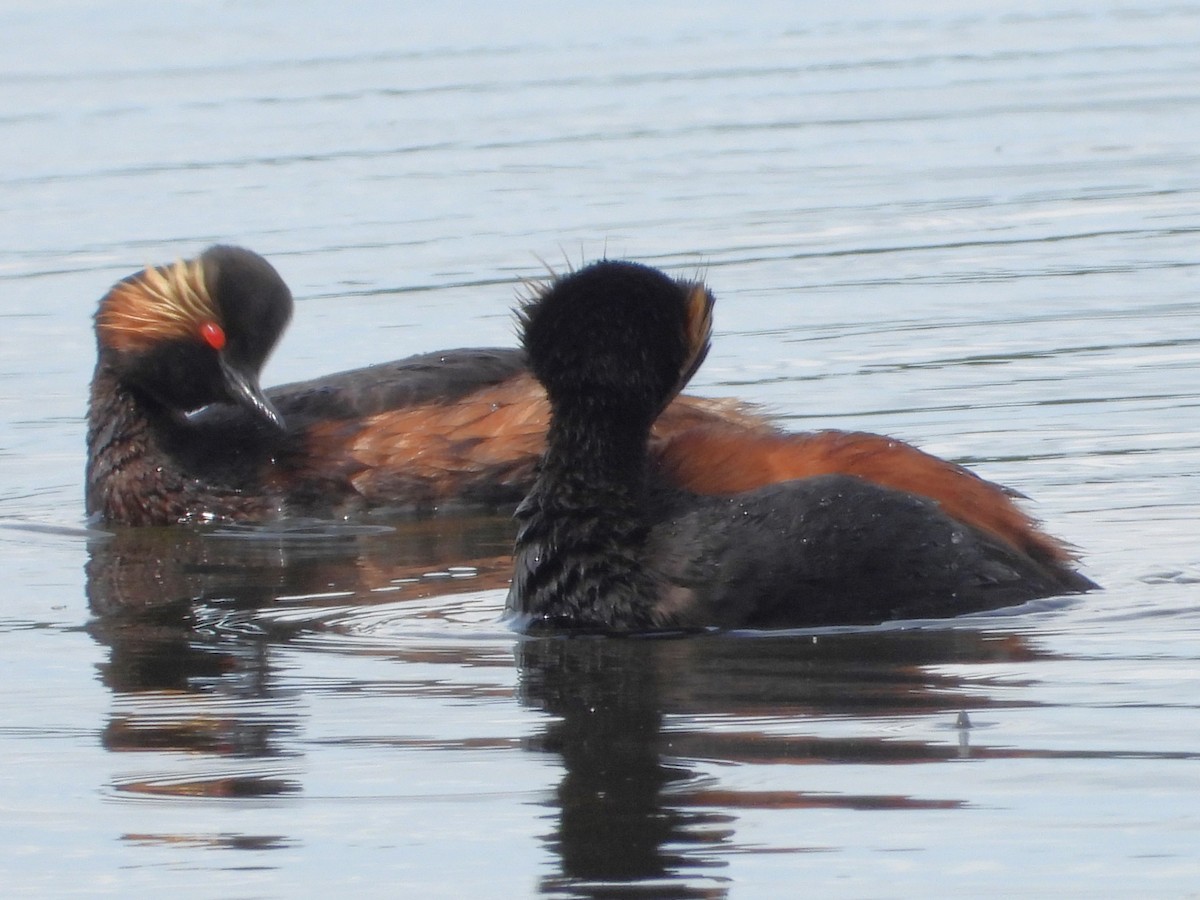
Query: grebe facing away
pixel 461 425
pixel 604 545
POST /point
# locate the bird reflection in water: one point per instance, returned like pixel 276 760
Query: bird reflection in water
pixel 644 728
pixel 181 612
pixel 642 723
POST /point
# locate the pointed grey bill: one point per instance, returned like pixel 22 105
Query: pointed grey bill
pixel 244 390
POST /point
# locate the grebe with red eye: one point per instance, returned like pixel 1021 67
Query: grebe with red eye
pixel 179 429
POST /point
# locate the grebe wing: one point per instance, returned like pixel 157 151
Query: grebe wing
pixel 439 377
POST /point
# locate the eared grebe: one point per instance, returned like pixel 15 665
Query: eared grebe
pixel 180 431
pixel 605 545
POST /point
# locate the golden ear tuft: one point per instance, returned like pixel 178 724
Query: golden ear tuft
pixel 697 331
pixel 698 324
pixel 159 303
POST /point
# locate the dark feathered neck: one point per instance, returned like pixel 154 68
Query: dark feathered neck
pixel 125 453
pixel 146 467
pixel 583 526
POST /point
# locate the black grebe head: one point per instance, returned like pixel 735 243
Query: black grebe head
pixel 612 344
pixel 617 331
pixel 197 332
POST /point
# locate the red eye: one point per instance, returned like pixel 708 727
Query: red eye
pixel 213 335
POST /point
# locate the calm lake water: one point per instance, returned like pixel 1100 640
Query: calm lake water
pixel 974 226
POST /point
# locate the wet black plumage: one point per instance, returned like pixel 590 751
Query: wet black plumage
pixel 605 546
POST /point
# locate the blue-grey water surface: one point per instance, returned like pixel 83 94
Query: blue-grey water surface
pixel 973 226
